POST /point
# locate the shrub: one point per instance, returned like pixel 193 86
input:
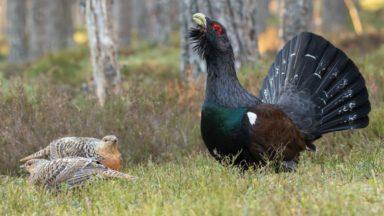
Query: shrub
pixel 151 121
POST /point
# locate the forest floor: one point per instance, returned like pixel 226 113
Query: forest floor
pixel 157 121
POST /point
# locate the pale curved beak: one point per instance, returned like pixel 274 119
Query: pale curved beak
pixel 200 19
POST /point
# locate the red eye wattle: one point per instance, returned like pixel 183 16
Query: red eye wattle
pixel 217 28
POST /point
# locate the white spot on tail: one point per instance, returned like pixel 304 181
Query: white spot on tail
pixel 310 56
pixel 252 117
pixel 318 75
pixel 325 102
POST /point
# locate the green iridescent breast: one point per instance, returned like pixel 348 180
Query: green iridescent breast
pixel 221 128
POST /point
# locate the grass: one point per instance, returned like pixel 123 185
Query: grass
pixel 197 185
pixel 157 121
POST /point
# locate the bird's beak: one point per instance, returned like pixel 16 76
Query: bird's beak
pixel 22 166
pixel 200 19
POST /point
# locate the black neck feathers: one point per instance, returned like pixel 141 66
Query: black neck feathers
pixel 223 86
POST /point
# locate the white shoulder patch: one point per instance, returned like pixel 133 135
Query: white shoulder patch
pixel 252 117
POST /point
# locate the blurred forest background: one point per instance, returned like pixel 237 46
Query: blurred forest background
pixel 126 67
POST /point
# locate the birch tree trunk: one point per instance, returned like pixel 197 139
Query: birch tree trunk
pixel 191 66
pixel 106 71
pixel 334 16
pixel 60 24
pixel 36 29
pixel 295 18
pixel 160 20
pixel 154 19
pixel 242 20
pixel 3 13
pixel 140 18
pixel 262 14
pixel 123 22
pixel 16 16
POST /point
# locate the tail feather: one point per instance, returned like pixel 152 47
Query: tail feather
pixel 108 173
pixel 87 174
pixel 348 118
pixel 317 86
pixel 334 66
pixel 80 178
pixel 361 123
pixel 344 80
pixel 347 107
pixel 40 154
pixel 357 101
pixel 305 65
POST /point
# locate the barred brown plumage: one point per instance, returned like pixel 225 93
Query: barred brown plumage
pixel 104 150
pixel 73 172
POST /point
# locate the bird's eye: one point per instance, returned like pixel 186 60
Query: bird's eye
pixel 217 28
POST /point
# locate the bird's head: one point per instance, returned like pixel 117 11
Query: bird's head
pixel 31 165
pixel 210 37
pixel 110 140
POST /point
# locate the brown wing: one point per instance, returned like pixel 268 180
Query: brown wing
pixel 74 147
pixel 52 172
pixel 273 134
pixel 60 170
pixel 95 170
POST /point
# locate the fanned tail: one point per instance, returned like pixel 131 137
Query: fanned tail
pixel 317 86
pixel 40 154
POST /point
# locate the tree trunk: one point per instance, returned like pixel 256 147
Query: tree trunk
pixel 191 66
pixel 160 21
pixel 241 19
pixel 262 14
pixel 140 19
pixel 16 16
pixel 3 14
pixel 153 20
pixel 36 29
pixel 296 17
pixel 106 72
pixel 122 20
pixel 59 25
pixel 334 16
